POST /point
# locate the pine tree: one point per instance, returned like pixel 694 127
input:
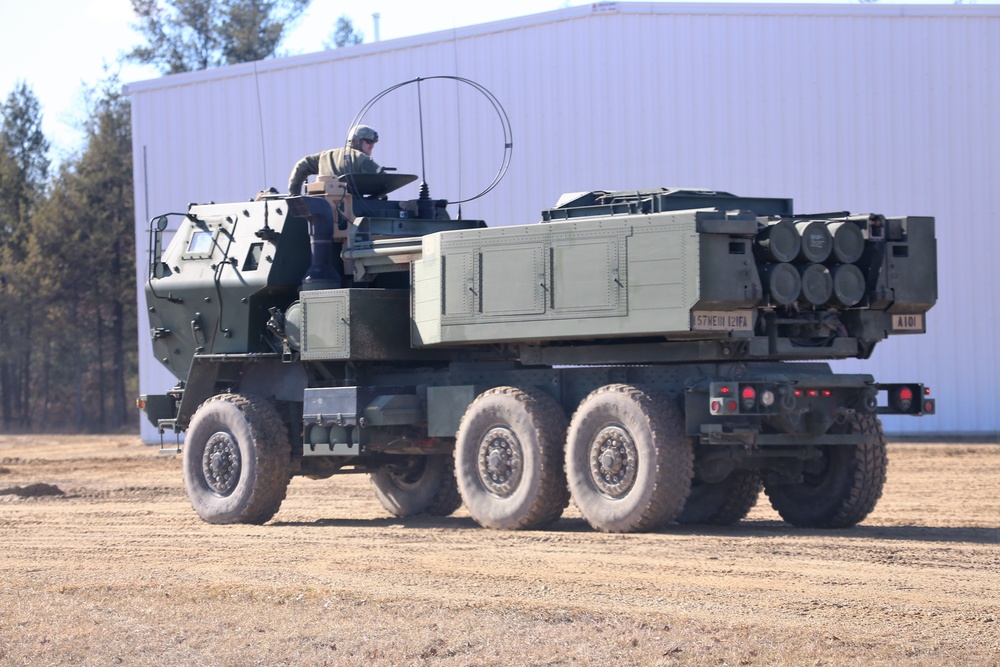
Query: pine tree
pixel 105 176
pixel 74 284
pixel 24 167
pixel 344 34
pixel 189 35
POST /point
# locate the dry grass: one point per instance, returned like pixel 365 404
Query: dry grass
pixel 161 626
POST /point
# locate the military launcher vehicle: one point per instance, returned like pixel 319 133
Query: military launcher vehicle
pixel 653 355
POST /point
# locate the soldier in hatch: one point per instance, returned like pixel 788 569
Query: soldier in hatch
pixel 355 158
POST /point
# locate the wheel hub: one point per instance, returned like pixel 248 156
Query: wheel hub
pixel 613 461
pixel 501 462
pixel 221 463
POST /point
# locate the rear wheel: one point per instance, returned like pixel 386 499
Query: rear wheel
pixel 508 458
pixel 417 485
pixel 236 460
pixel 722 503
pixel 840 488
pixel 629 461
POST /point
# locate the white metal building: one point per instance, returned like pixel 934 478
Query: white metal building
pixel 869 108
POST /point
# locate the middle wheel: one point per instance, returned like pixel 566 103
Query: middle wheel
pixel 418 484
pixel 508 458
pixel 629 462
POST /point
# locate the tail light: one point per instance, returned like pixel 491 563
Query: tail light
pixel 723 398
pixel 906 399
pixel 767 398
pixel 733 398
pixel 903 399
pixel 929 404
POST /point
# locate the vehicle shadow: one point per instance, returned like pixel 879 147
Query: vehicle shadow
pixel 420 521
pixel 967 534
pixel 744 529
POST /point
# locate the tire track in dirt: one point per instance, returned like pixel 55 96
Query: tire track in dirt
pixel 918 583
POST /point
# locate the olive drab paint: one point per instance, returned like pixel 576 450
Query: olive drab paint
pixel 513 367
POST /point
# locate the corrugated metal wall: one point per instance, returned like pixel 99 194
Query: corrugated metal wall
pixel 887 109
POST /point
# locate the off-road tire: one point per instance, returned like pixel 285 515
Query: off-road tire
pixel 722 503
pixel 236 460
pixel 508 458
pixel 429 487
pixel 629 462
pixel 848 487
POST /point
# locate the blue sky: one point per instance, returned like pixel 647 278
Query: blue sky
pixel 60 47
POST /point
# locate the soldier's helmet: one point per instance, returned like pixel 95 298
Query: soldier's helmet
pixel 359 132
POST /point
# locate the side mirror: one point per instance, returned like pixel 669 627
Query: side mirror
pixel 157 269
pixel 160 270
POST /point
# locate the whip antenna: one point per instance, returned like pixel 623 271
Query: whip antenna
pixel 260 122
pixel 420 114
pixel 458 115
pixel 493 101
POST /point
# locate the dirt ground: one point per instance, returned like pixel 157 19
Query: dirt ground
pixel 104 562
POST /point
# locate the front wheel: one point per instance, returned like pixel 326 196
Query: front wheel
pixel 418 485
pixel 840 488
pixel 629 462
pixel 236 460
